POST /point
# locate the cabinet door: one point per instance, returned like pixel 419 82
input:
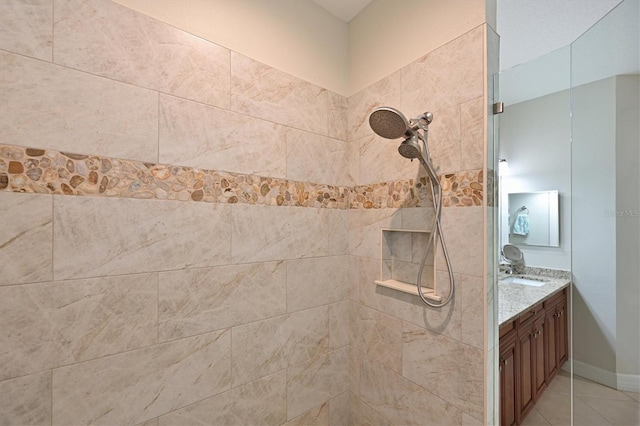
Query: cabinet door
pixel 508 383
pixel 563 332
pixel 539 353
pixel 551 342
pixel 525 352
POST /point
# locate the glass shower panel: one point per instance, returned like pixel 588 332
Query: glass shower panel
pixel 534 139
pixel 605 164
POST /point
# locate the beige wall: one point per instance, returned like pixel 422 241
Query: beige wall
pixel 303 39
pixel 298 37
pixel 388 34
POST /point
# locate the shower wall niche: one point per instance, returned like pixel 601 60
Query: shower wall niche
pixel 402 252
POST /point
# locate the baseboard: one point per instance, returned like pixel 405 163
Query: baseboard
pixel 629 382
pixel 596 374
pixel 623 382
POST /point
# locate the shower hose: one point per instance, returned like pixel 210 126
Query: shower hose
pixel 436 232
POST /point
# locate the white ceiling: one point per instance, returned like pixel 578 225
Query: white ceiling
pixel 343 9
pixel 530 28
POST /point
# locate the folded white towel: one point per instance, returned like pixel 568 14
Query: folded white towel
pixel 521 224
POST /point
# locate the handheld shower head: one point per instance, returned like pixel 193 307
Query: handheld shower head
pixel 410 148
pixel 390 123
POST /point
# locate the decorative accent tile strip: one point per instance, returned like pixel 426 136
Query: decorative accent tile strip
pixel 462 189
pixel 52 172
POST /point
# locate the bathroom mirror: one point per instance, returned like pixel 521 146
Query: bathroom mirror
pixel 534 218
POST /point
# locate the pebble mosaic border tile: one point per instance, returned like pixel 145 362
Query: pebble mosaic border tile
pixel 52 172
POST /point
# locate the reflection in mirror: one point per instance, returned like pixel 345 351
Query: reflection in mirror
pixel 534 219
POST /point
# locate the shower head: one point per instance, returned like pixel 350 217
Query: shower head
pixel 410 148
pixel 390 123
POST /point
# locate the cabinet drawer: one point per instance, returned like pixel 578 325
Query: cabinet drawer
pixel 507 328
pixel 553 300
pixel 531 312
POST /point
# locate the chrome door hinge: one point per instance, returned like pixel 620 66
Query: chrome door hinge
pixel 498 108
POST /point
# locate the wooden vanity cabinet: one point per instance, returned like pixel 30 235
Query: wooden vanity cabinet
pixel 508 374
pixel 556 341
pixel 531 360
pixel 533 348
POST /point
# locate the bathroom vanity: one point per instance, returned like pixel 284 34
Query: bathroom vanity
pixel 533 330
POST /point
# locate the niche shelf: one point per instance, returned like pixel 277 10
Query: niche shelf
pixel 401 254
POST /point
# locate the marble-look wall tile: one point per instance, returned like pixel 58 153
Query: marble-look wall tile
pixel 101 236
pixel 339 410
pixel 355 364
pixel 353 156
pixel 316 381
pixel 260 234
pixel 318 416
pixel 316 281
pixel 381 162
pixel 354 278
pixel 265 92
pixel 446 320
pixel 400 399
pixel 26 237
pixel 26 27
pixel 365 230
pixel 26 400
pixel 449 369
pixel 386 92
pixel 363 415
pixel 378 336
pixel 338 232
pixel 195 301
pixel 48 106
pixel 472 122
pixel 448 76
pixel 262 402
pixel 471 293
pixel 152 422
pixel 389 301
pixel 467 420
pixel 197 135
pixel 444 140
pixel 107 39
pixel 139 385
pixel 493 62
pixel 418 218
pixel 263 347
pixel 463 230
pixel 317 158
pixel 339 324
pixel 338 111
pixel 53 324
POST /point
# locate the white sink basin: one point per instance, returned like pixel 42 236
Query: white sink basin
pixel 524 281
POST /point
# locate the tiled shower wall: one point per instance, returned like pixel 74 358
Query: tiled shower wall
pixel 410 364
pixel 184 251
pixel 172 294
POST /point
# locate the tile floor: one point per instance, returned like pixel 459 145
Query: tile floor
pixel 594 404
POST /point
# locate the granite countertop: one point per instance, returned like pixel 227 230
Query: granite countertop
pixel 513 299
